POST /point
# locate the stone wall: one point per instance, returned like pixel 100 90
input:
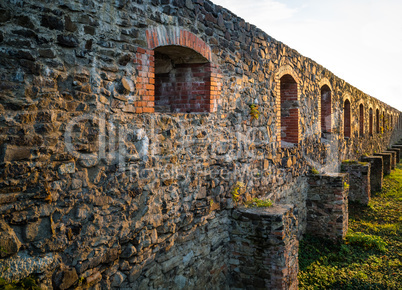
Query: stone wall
pixel 97 188
pixel 264 248
pixel 397 154
pixel 376 172
pixel 327 205
pixel 400 149
pixel 393 158
pixel 359 180
pixel 387 162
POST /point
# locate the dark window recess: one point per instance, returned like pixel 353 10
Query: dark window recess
pixel 346 119
pixel 361 120
pixel 371 122
pixel 289 110
pixel 182 80
pixel 326 102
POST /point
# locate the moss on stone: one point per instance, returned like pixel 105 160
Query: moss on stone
pixel 347 161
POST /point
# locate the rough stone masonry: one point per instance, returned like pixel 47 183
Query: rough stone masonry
pixel 125 125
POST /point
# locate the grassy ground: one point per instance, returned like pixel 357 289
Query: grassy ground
pixel 371 255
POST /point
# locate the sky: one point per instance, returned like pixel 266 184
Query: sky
pixel 360 41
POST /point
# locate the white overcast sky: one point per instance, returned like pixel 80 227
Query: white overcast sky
pixel 360 41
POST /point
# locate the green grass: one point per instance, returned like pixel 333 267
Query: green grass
pixel 371 255
pixel 28 283
pixel 366 241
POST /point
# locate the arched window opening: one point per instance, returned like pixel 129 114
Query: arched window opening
pixel 361 120
pixel 388 124
pixel 182 80
pixel 326 111
pixel 383 122
pixel 371 122
pixel 346 119
pixel 377 121
pixel 289 110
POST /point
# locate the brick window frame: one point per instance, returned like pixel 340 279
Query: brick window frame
pixel 145 59
pixel 347 119
pixel 371 117
pixel 325 106
pixel 361 120
pixel 389 121
pixel 145 82
pixel 293 127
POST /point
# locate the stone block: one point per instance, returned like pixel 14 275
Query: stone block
pixel 359 180
pixel 400 151
pixel 14 153
pixel 264 248
pixel 376 172
pixel 67 168
pixel 393 158
pixel 23 264
pixel 397 152
pixel 9 242
pixel 38 230
pixel 387 159
pixel 328 216
pixel 64 277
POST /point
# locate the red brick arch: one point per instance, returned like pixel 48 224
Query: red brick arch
pixel 361 120
pixel 287 91
pixel 203 98
pixel 325 105
pixel 377 120
pixel 371 118
pixel 347 118
pixel 162 36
